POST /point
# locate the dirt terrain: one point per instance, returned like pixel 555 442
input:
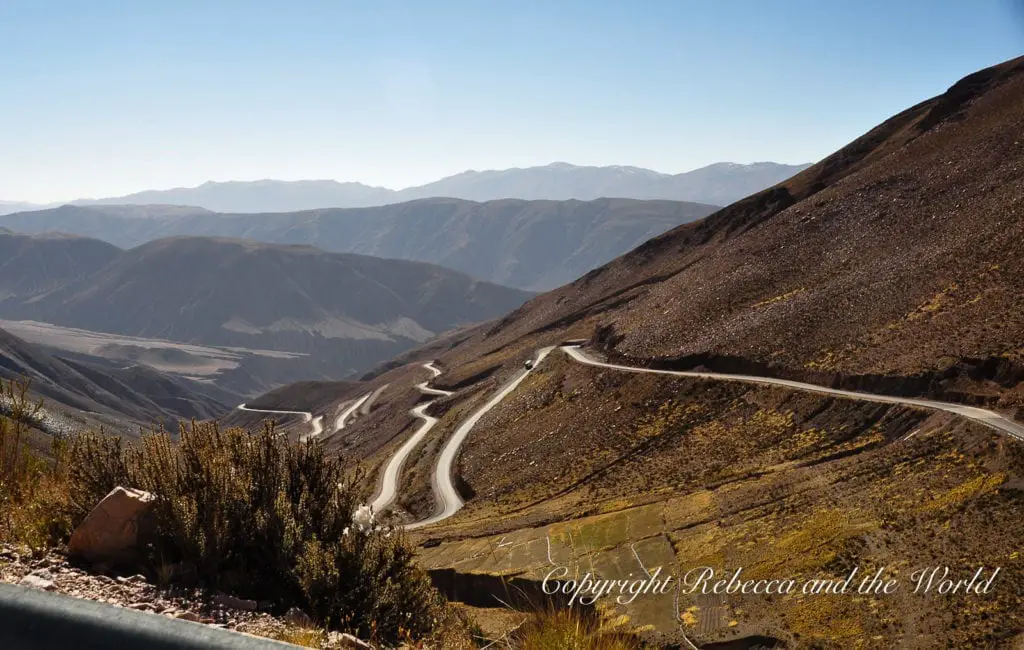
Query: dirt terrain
pixel 614 470
pixel 892 263
pixel 619 472
pixel 891 267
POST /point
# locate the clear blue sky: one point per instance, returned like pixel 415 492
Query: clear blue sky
pixel 102 98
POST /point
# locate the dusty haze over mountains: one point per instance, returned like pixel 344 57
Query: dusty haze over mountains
pixel 532 245
pixel 91 391
pixel 307 294
pixel 718 184
pixel 245 315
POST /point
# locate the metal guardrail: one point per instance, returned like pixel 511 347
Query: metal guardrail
pixel 38 620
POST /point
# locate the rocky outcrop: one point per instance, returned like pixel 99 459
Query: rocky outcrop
pixel 231 602
pixel 38 579
pixel 112 531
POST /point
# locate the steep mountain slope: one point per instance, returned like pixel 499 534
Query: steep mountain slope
pixel 104 395
pixel 527 244
pixel 893 267
pixel 897 256
pixel 32 264
pixel 331 314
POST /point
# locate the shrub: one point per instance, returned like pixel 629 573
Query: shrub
pixel 31 488
pixel 250 514
pixel 15 403
pixel 263 518
pixel 16 463
pixel 571 629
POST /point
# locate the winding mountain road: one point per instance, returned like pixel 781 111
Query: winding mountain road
pixel 316 423
pixel 388 490
pixel 444 488
pixel 370 399
pixel 425 387
pixel 982 416
pixel 448 496
pixel 339 423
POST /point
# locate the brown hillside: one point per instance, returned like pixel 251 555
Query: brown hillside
pixel 898 255
pixel 34 264
pixel 893 266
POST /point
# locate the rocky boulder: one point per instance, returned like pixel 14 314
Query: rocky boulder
pixel 38 579
pixel 111 533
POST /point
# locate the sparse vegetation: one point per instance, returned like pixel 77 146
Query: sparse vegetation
pixel 302 636
pixel 684 473
pixel 246 513
pixel 779 298
pixel 571 629
pixel 266 519
pixel 31 487
pixel 15 404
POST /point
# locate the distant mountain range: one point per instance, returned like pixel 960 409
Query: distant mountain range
pixel 275 313
pixel 531 245
pixel 717 184
pixel 7 207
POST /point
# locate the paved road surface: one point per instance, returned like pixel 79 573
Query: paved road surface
pixel 317 423
pixel 339 424
pixel 982 416
pixel 388 490
pixel 445 490
pixel 365 409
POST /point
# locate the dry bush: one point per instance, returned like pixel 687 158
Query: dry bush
pixel 17 464
pixel 255 515
pixel 32 494
pixel 302 636
pixel 246 513
pixel 570 629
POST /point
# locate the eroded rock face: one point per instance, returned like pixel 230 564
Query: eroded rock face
pixel 111 532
